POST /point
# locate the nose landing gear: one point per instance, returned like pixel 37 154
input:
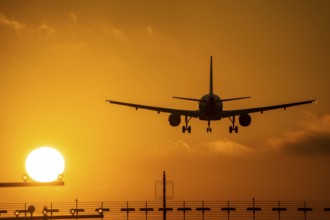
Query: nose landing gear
pixel 209 129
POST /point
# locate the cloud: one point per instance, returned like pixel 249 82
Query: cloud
pixel 44 28
pixel 73 17
pixel 229 148
pixel 114 32
pixel 312 138
pixel 150 31
pixel 117 33
pixel 223 147
pixel 174 147
pixel 147 30
pixel 16 25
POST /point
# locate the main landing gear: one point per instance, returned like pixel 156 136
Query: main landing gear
pixel 186 127
pixel 233 127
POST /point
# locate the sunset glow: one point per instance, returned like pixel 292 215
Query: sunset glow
pixel 60 60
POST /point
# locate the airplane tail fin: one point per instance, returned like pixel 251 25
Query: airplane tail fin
pixel 211 78
pixel 211 90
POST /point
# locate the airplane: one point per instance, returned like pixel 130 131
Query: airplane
pixel 210 108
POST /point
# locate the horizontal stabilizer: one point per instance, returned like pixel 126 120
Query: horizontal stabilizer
pixel 223 100
pixel 189 99
pixel 232 99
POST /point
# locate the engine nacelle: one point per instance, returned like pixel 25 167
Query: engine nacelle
pixel 174 120
pixel 244 120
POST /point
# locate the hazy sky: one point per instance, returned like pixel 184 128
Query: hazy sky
pixel 60 60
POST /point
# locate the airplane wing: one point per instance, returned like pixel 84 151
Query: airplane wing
pixel 230 113
pixel 191 113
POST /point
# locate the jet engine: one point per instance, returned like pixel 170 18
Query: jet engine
pixel 244 120
pixel 174 120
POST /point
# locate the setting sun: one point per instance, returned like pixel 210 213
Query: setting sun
pixel 44 164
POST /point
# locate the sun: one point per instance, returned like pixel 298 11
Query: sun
pixel 44 164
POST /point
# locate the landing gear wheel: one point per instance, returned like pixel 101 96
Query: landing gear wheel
pixel 208 129
pixel 231 129
pixel 184 129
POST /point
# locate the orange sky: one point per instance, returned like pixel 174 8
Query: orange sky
pixel 60 60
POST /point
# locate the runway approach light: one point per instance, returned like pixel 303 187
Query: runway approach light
pixel 101 210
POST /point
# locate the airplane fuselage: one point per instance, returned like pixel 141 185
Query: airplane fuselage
pixel 210 107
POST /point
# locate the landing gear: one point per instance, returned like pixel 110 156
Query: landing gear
pixel 233 127
pixel 186 127
pixel 209 129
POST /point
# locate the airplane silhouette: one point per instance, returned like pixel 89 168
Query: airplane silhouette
pixel 210 108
